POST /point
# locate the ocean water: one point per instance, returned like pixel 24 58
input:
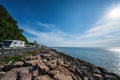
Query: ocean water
pixel 108 58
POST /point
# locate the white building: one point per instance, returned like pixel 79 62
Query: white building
pixel 13 43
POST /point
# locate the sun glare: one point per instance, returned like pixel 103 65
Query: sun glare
pixel 114 12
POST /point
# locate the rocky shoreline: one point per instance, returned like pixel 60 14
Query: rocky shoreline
pixel 50 64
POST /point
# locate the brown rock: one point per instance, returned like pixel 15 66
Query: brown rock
pixel 52 64
pixel 2 72
pixel 20 70
pixel 85 78
pixel 60 62
pixel 18 63
pixel 10 75
pixel 31 57
pixel 44 77
pixel 25 76
pixel 97 76
pixel 35 73
pixel 60 76
pixel 32 62
pixel 65 71
pixel 97 71
pixel 42 67
pixel 53 72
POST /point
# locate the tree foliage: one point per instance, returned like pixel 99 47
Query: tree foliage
pixel 9 28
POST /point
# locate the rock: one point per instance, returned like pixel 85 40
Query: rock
pixel 20 70
pixel 43 77
pixel 1 67
pixel 35 73
pixel 96 71
pixel 10 75
pixel 18 63
pixel 60 62
pixel 52 64
pixel 31 57
pixel 53 72
pixel 10 62
pixel 65 71
pixel 25 76
pixel 32 62
pixel 2 72
pixel 60 76
pixel 85 78
pixel 42 67
pixel 109 77
pixel 98 76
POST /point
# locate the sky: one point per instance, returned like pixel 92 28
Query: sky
pixel 68 23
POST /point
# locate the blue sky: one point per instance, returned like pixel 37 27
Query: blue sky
pixel 73 23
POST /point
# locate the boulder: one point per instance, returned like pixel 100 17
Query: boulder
pixel 53 72
pixel 42 67
pixel 18 63
pixel 96 71
pixel 31 57
pixel 109 77
pixel 2 72
pixel 10 75
pixel 32 62
pixel 35 73
pixel 52 64
pixel 61 76
pixel 25 76
pixel 44 77
pixel 85 78
pixel 20 70
pixel 60 62
pixel 65 71
pixel 98 76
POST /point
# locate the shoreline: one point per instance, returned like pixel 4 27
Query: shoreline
pixel 49 64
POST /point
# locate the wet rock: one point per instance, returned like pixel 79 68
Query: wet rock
pixel 44 77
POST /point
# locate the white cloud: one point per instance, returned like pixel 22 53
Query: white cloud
pixel 104 33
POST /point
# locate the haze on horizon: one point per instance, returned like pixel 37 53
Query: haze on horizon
pixel 68 23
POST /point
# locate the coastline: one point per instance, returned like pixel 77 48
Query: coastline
pixel 50 64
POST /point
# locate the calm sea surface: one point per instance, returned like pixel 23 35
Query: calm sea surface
pixel 108 58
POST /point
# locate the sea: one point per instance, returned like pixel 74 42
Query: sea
pixel 108 58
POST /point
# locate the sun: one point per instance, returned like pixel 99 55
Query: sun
pixel 114 12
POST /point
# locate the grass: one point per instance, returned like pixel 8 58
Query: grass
pixel 17 57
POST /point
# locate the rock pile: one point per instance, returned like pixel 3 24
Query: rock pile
pixel 49 64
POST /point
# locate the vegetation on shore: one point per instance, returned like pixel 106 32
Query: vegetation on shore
pixel 9 28
pixel 17 57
